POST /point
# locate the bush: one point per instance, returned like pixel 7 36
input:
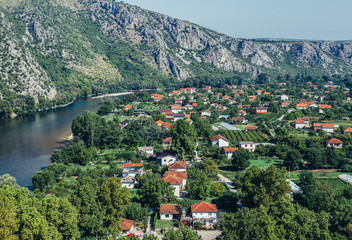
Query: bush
pixel 217 189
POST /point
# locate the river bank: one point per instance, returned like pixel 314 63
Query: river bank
pixel 113 95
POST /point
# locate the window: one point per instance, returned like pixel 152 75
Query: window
pixel 167 216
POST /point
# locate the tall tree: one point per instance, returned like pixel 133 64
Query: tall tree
pixel 114 199
pixel 240 159
pixel 293 160
pixel 183 233
pixel 184 137
pixel 262 186
pixel 8 217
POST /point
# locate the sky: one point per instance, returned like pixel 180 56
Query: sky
pixel 288 19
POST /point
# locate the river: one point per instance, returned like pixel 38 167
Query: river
pixel 27 142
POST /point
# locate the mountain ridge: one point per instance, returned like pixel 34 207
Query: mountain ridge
pixel 54 51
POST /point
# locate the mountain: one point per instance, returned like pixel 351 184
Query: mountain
pixel 53 51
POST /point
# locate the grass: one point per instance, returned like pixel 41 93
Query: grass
pixel 335 183
pixel 111 151
pixel 266 162
pixel 319 174
pixel 72 166
pixel 164 224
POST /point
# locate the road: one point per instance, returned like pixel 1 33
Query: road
pixel 228 182
pixel 198 159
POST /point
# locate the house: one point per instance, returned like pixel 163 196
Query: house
pixel 250 146
pixel 167 142
pixel 261 110
pixel 176 108
pixel 159 123
pixel 127 107
pixel 166 158
pixel 327 127
pixel 227 126
pixel 220 141
pixel 178 116
pixel 239 120
pixel 128 182
pixel 284 97
pixel 188 107
pixel 149 151
pixel 322 98
pixel 299 124
pixel 284 104
pixel 175 182
pixel 251 127
pixel 163 111
pixel 242 113
pixel 334 142
pixel 157 97
pixel 204 212
pixel 347 131
pixel 229 152
pixel 179 174
pixel 305 120
pixel 194 105
pixel 324 106
pixel 127 226
pixel 178 167
pixel 131 169
pixel 301 106
pixel 178 100
pixel 205 113
pixel 170 211
pixel 167 125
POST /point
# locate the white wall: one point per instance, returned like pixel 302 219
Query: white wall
pixel 223 143
pixel 176 190
pixel 167 160
pixel 163 217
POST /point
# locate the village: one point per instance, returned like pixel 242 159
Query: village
pixel 182 153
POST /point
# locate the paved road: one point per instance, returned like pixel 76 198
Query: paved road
pixel 209 235
pixel 228 182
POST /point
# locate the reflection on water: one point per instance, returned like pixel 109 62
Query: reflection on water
pixel 26 143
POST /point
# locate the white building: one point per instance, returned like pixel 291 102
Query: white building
pixel 205 213
pixel 284 97
pixel 229 152
pixel 177 166
pixel 220 141
pixel 167 158
pixel 149 151
pixel 175 182
pixel 170 211
pixel 128 182
pixel 205 113
pixel 250 146
pixel 131 169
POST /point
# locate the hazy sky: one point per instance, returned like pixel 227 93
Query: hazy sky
pixel 298 19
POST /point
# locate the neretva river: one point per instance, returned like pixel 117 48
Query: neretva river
pixel 27 142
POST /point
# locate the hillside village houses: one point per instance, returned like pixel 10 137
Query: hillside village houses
pixel 334 142
pixel 219 141
pixel 284 97
pixel 248 145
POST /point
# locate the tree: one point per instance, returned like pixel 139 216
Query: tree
pixel 184 137
pixel 86 127
pixel 217 189
pixel 198 189
pixel 183 233
pixel 155 191
pixel 314 157
pixel 308 197
pixel 61 214
pixel 114 199
pixel 293 160
pixel 203 128
pixel 211 168
pixel 249 224
pixel 136 212
pixel 262 186
pixel 8 217
pixel 150 237
pixel 240 159
pixel 7 179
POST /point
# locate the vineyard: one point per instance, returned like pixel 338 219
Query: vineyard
pixel 239 136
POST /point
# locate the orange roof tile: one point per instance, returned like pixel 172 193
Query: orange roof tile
pixel 177 165
pixel 133 165
pixel 180 174
pixel 227 150
pixel 127 224
pixel 334 141
pixel 251 127
pixel 170 209
pixel 203 207
pixel 217 137
pixel 348 130
pixel 173 180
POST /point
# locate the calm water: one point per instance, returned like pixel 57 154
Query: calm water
pixel 26 143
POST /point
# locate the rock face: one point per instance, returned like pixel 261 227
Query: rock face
pixel 78 36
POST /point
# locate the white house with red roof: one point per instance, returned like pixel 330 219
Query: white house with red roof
pixel 179 174
pixel 167 142
pixel 131 169
pixel 127 226
pixel 220 141
pixel 175 182
pixel 347 131
pixel 229 151
pixel 261 110
pixel 204 212
pixel 205 113
pixel 284 97
pixel 334 142
pixel 170 211
pixel 177 166
pixel 166 158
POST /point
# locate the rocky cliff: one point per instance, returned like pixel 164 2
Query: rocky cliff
pixel 58 49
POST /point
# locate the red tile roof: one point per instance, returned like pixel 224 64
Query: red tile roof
pixel 177 165
pixel 228 150
pixel 194 104
pixel 251 127
pixel 334 141
pixel 203 207
pixel 170 209
pixel 133 165
pixel 173 180
pixel 180 174
pixel 127 224
pixel 323 106
pixel 217 137
pixel 348 130
pixel 167 140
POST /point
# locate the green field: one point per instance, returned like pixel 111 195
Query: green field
pixel 111 151
pixel 319 174
pixel 162 224
pixel 266 162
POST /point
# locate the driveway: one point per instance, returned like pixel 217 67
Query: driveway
pixel 209 235
pixel 228 182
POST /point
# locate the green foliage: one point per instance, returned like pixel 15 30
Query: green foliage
pixel 240 159
pixel 184 137
pixel 217 189
pixel 263 186
pixel 293 160
pixel 183 233
pixel 136 212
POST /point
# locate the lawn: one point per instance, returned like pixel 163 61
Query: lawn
pixel 162 224
pixel 72 166
pixel 266 162
pixel 323 174
pixel 111 151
